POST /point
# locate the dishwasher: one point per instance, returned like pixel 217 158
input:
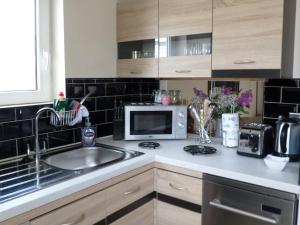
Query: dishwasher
pixel 228 202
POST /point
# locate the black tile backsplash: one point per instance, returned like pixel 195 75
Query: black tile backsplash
pixel 281 98
pixel 17 123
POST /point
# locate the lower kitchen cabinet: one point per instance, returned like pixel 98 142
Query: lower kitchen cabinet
pixel 87 211
pixel 144 215
pixel 168 214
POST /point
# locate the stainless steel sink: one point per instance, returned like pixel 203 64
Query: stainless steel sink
pixel 85 158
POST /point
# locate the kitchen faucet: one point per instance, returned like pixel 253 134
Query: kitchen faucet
pixel 37 145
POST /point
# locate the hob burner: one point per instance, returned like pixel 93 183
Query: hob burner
pixel 149 145
pixel 199 149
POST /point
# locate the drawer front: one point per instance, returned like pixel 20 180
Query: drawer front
pixel 137 67
pixel 179 186
pixel 86 211
pixel 142 215
pixel 172 215
pixel 185 66
pixel 126 192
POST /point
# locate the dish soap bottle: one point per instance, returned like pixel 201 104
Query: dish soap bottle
pixel 61 103
pixel 88 134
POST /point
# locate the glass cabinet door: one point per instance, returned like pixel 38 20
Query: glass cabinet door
pixel 185 45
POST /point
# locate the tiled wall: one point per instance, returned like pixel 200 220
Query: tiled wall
pixel 17 124
pixel 281 98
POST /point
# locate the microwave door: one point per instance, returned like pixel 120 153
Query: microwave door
pixel 150 125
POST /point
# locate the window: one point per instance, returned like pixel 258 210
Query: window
pixel 24 51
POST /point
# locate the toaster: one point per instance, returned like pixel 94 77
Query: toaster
pixel 256 140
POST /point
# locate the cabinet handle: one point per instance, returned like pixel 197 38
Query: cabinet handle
pixel 183 71
pixel 133 191
pixel 244 62
pixel 176 188
pixel 76 221
pixel 136 73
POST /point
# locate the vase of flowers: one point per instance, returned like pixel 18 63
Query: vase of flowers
pixel 222 100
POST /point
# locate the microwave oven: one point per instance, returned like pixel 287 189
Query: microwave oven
pixel 155 121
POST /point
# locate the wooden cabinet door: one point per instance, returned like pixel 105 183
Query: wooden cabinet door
pixel 182 17
pixel 168 214
pixel 86 211
pixel 137 67
pixel 247 34
pixel 137 20
pixel 143 215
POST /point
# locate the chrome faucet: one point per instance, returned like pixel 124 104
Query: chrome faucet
pixel 37 145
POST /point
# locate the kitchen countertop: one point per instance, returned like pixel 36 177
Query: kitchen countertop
pixel 225 163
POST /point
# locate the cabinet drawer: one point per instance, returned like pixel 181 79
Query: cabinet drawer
pixel 86 211
pixel 185 66
pixel 172 215
pixel 126 192
pixel 179 186
pixel 142 215
pixel 137 67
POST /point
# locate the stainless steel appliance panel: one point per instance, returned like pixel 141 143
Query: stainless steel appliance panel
pixel 227 202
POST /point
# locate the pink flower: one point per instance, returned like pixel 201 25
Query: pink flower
pixel 227 90
pixel 200 93
pixel 245 99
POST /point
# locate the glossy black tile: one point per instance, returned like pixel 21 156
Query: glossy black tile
pixel 103 103
pixel 28 112
pixel 15 130
pixel 132 98
pixel 61 138
pixel 272 94
pixel 109 116
pixel 134 88
pixel 147 98
pixel 8 149
pixel 90 104
pixel 291 95
pixel 271 122
pixel 116 89
pixel 75 90
pixel 45 126
pixel 282 83
pixel 274 110
pixel 97 117
pixel 80 81
pixel 97 90
pixel 104 130
pixel 7 115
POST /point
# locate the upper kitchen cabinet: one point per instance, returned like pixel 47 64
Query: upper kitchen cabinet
pixel 88 32
pixel 247 36
pixel 185 29
pixel 137 35
pixel 137 20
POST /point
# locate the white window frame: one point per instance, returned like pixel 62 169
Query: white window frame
pixel 43 69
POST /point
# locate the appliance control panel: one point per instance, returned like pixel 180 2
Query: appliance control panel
pixel 181 122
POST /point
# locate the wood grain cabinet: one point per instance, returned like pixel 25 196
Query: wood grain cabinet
pixel 247 34
pixel 87 211
pixel 137 34
pixel 168 214
pixel 143 215
pixel 185 38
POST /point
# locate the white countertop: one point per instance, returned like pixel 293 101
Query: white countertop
pixel 225 163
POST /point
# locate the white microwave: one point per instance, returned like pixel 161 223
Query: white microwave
pixel 155 121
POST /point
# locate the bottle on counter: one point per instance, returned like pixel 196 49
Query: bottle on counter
pixel 61 103
pixel 88 134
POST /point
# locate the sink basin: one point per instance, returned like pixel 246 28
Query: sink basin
pixel 85 158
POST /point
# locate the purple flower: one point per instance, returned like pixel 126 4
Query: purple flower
pixel 200 93
pixel 244 99
pixel 227 90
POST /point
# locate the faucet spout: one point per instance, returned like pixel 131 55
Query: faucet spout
pixel 37 145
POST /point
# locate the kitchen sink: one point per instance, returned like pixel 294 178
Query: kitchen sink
pixel 87 158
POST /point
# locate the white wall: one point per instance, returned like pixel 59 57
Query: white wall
pixel 297 43
pixel 90 38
